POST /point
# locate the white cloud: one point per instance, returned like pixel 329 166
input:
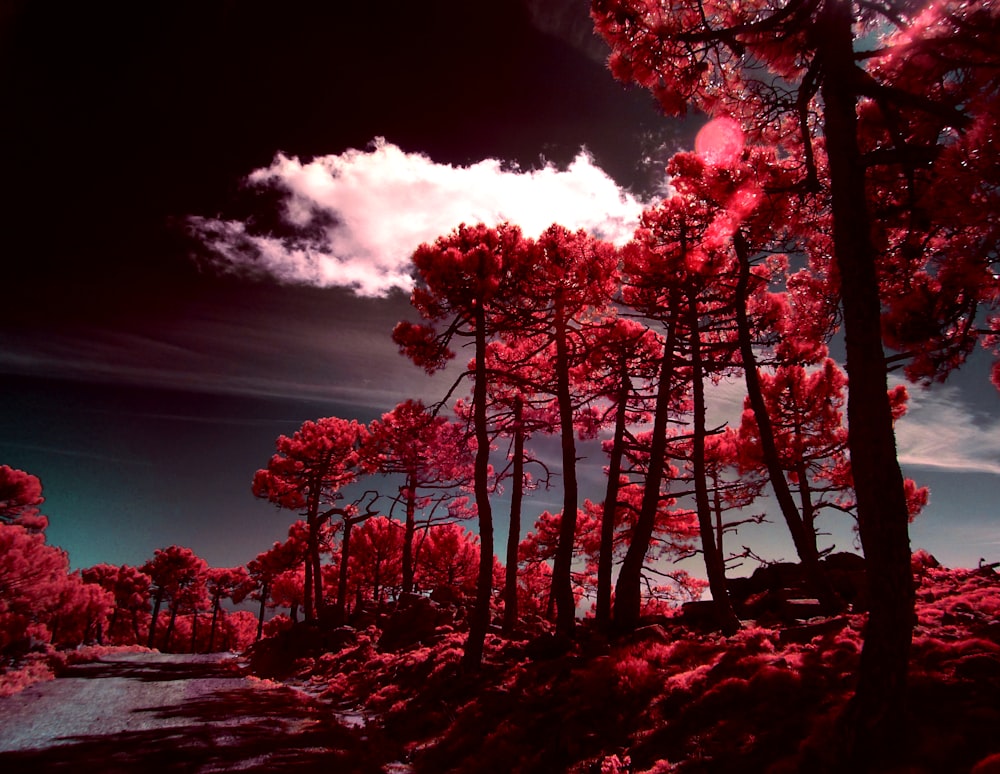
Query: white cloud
pixel 940 432
pixel 361 214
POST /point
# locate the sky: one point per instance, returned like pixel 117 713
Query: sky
pixel 208 215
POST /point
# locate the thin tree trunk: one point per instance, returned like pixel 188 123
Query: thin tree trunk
pixel 264 591
pixel 510 613
pixel 628 590
pixel 479 620
pixel 345 555
pixel 876 716
pixel 408 533
pixel 215 621
pixel 170 624
pixel 715 566
pixel 805 543
pixel 157 601
pixel 605 559
pixel 194 629
pixel 562 566
pixel 307 589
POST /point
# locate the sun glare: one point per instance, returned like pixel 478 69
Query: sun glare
pixel 720 141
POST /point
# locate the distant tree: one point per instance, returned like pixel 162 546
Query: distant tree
pixel 433 457
pixel 177 576
pixel 129 587
pixel 268 565
pixel 448 557
pixel 225 583
pixel 377 559
pixel 306 475
pixel 20 496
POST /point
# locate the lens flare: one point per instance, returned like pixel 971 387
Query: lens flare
pixel 719 142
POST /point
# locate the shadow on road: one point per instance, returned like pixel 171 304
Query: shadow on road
pixel 247 728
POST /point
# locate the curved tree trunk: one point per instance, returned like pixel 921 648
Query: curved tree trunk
pixel 803 537
pixel 715 566
pixel 628 590
pixel 876 715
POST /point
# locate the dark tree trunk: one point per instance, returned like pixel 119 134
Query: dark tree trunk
pixel 479 620
pixel 510 613
pixel 264 591
pixel 194 630
pixel 562 566
pixel 605 559
pixel 715 566
pixel 170 625
pixel 215 622
pixel 408 533
pixel 804 539
pixel 157 601
pixel 345 555
pixel 307 589
pixel 628 590
pixel 876 717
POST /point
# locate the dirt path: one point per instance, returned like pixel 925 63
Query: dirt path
pixel 151 712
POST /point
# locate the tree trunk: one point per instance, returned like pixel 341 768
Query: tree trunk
pixel 194 629
pixel 715 566
pixel 479 620
pixel 628 591
pixel 215 622
pixel 345 555
pixel 605 559
pixel 170 624
pixel 804 541
pixel 264 591
pixel 157 601
pixel 307 588
pixel 562 566
pixel 408 533
pixel 876 718
pixel 510 612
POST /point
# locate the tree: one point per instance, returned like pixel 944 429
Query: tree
pixel 306 474
pixel 893 120
pixel 621 352
pixel 448 558
pixel 129 587
pixel 573 278
pixel 225 583
pixel 462 277
pixel 177 576
pixel 20 496
pixel 268 565
pixel 433 457
pixel 377 560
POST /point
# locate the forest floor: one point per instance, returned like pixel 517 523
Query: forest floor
pixel 666 698
pixel 157 712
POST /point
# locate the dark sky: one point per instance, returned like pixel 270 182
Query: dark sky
pixel 144 385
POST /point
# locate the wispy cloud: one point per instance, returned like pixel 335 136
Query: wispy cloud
pixel 940 432
pixel 354 219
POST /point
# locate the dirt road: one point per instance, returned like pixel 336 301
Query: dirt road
pixel 151 712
